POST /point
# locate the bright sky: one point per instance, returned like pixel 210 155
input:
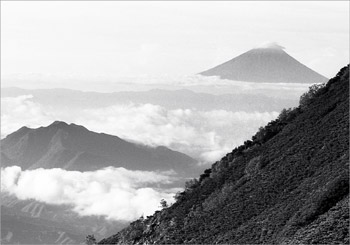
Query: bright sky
pixel 116 38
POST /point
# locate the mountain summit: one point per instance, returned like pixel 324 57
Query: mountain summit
pixel 268 63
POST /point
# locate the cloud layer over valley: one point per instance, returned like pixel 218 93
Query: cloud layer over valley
pixel 206 135
pixel 115 193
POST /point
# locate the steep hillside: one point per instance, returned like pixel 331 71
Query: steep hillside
pixel 289 184
pixel 268 65
pixel 74 147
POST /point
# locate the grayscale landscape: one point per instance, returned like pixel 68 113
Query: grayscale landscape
pixel 174 122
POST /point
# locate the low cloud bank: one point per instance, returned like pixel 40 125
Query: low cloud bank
pixel 206 135
pixel 116 193
pixel 203 134
pixel 21 111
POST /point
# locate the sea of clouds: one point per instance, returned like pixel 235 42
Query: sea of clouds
pixel 116 193
pixel 205 135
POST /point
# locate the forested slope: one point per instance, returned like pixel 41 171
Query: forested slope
pixel 289 184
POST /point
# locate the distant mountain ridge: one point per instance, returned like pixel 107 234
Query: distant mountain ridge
pixel 171 99
pixel 288 185
pixel 265 65
pixel 73 147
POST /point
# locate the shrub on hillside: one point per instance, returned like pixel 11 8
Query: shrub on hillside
pixel 323 201
pixel 90 240
pixel 307 97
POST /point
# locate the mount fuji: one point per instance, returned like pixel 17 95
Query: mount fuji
pixel 268 63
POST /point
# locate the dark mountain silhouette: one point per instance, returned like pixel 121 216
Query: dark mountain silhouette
pixel 74 147
pixel 288 185
pixel 270 64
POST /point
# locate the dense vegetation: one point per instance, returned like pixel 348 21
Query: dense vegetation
pixel 288 184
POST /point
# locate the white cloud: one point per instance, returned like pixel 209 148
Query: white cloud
pixel 116 193
pixel 22 111
pixel 204 134
pixel 270 45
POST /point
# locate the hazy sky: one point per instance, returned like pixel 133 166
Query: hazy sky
pixel 92 39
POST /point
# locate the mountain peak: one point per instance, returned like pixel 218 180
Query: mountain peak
pixel 267 63
pixel 64 125
pixel 270 45
pixel 58 123
pixel 24 128
pixel 73 147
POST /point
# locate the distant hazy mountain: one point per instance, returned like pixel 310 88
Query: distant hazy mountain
pixel 73 147
pixel 184 99
pixel 269 64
